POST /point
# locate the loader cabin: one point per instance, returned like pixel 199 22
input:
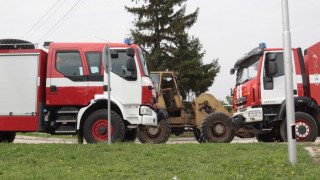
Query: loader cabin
pixel 168 92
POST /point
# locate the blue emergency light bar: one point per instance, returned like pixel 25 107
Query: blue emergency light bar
pixel 262 45
pixel 127 41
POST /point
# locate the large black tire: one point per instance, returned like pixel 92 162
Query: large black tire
pixel 130 135
pixel 154 135
pixel 15 41
pixel 269 137
pixel 306 128
pixel 95 127
pixel 7 137
pixel 197 135
pixel 216 127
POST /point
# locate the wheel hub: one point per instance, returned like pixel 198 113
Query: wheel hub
pixel 302 129
pixel 102 130
pixel 153 131
pixel 219 129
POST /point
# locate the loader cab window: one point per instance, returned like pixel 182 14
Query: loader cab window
pixel 168 90
pixel 69 63
pixel 94 62
pixel 119 65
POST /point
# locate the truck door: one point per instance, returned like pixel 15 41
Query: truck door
pixel 273 86
pixel 126 85
pixel 69 80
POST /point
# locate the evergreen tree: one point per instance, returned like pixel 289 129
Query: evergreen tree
pixel 161 27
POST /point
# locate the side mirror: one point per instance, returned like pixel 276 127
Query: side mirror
pixel 131 65
pixel 114 54
pixel 272 56
pixel 272 68
pixel 231 92
pixel 232 71
pixel 131 52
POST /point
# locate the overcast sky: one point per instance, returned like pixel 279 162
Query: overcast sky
pixel 227 29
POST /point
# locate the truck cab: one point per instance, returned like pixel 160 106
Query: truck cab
pixel 259 94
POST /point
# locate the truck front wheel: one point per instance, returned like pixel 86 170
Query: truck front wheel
pixel 95 128
pixel 216 127
pixel 306 129
pixel 154 134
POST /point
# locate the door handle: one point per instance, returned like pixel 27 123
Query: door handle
pixel 53 89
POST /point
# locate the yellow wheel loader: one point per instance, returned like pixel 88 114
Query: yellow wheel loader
pixel 205 115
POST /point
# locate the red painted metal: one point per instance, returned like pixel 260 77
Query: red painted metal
pixel 147 98
pixel 100 130
pixel 19 123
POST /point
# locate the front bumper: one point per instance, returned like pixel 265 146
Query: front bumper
pixel 148 116
pixel 250 114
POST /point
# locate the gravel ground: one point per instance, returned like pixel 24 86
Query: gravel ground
pixel 40 140
pixel 313 150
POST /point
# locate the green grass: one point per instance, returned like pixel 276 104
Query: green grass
pixel 147 161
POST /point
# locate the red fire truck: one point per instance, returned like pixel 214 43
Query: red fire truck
pixel 259 94
pixel 64 91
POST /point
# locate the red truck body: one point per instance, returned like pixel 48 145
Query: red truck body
pixel 259 95
pixel 59 91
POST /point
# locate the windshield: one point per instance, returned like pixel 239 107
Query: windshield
pixel 248 70
pixel 143 62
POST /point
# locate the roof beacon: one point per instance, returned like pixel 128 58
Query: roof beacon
pixel 127 41
pixel 263 45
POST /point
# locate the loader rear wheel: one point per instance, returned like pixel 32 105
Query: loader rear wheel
pixel 95 127
pixel 154 134
pixel 216 128
pixel 17 44
pixel 306 129
pixel 197 135
pixel 7 137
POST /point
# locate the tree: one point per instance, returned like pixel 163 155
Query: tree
pixel 161 27
pixel 230 102
pixel 229 99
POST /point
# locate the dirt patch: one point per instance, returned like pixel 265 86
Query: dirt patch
pixel 313 150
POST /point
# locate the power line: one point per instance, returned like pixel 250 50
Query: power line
pixel 54 27
pixel 54 11
pixel 40 19
pixel 66 19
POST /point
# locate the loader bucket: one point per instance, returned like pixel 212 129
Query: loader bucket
pixel 206 104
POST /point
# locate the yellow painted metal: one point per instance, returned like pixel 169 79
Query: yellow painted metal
pixel 197 114
pixel 213 105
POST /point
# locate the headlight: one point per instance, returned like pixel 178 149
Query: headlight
pixel 256 113
pixel 144 110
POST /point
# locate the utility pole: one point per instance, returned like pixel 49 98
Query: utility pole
pixel 291 135
pixel 109 100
